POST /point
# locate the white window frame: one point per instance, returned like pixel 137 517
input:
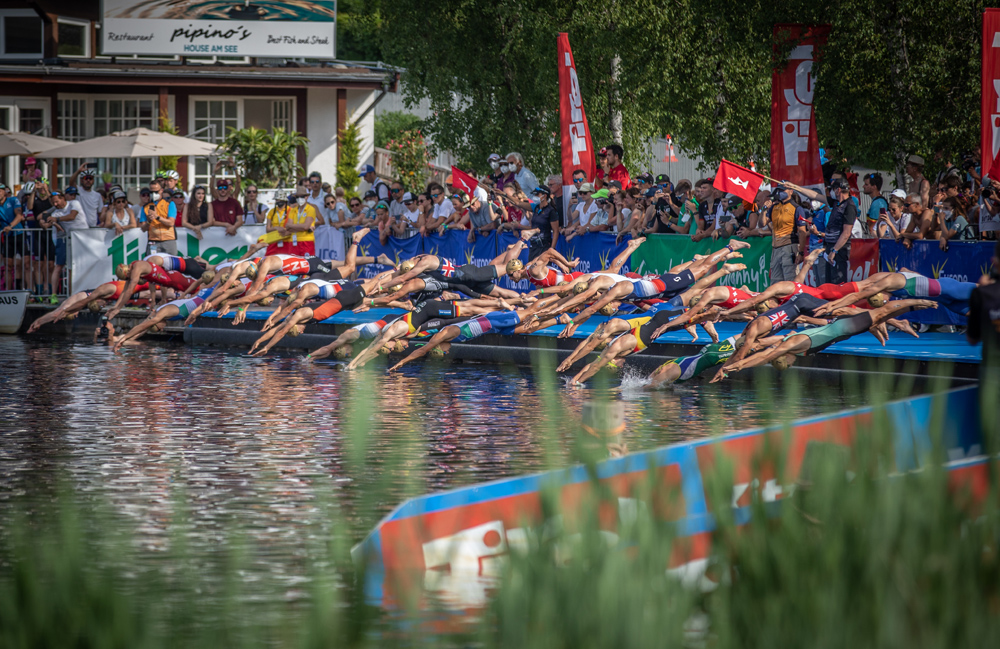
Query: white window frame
pixel 88 47
pixel 15 104
pixel 19 13
pixel 239 118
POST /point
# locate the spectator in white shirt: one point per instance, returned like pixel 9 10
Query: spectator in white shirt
pixel 316 196
pixel 585 210
pixel 411 215
pixel 443 207
pixel 67 215
pixel 522 175
pixel 89 198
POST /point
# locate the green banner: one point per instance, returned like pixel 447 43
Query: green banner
pixel 661 252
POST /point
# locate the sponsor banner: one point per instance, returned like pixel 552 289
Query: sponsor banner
pixel 863 261
pixel 595 250
pixel 331 243
pixel 794 145
pixel 577 148
pixel 395 249
pixel 661 252
pixel 96 251
pixel 261 28
pixel 989 137
pixel 964 261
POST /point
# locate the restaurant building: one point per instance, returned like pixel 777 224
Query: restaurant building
pixel 57 82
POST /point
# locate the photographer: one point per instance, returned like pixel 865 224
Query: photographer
pixel 989 209
pixel 786 247
pixel 658 214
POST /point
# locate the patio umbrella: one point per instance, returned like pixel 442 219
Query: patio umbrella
pixel 26 144
pixel 134 143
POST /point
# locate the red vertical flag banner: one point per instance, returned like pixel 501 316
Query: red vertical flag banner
pixel 794 145
pixel 577 150
pixel 990 134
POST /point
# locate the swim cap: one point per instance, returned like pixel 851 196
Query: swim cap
pixel 762 307
pixel 608 309
pixel 208 277
pixel 877 300
pixel 94 306
pixel 694 301
pixel 224 278
pixel 296 330
pixel 266 301
pixel 437 352
pixel 580 287
pixel 781 363
pixel 513 266
pixel 121 271
pixel 407 266
pixel 160 326
pixel 396 288
pixel 341 353
pixel 386 349
pixel 251 270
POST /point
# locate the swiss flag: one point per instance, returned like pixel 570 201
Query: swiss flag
pixel 993 171
pixel 463 181
pixel 740 181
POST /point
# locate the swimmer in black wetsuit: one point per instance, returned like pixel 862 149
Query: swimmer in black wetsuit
pixel 814 340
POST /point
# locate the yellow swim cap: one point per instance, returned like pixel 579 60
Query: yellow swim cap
pixel 251 270
pixel 580 287
pixel 513 266
pixel 407 266
pixel 608 309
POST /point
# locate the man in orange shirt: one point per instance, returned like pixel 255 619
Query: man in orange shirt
pixel 784 217
pixel 162 216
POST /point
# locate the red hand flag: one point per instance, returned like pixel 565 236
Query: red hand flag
pixel 739 181
pixel 993 171
pixel 463 181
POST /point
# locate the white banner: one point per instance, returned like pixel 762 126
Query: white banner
pixel 96 252
pixel 266 28
pixel 330 243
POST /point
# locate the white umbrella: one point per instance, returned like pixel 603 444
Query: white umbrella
pixel 134 143
pixel 26 144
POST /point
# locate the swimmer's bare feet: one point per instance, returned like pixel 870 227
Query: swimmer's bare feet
pixel 527 234
pixel 574 263
pixel 732 268
pixel 360 234
pixel 384 260
pixel 737 244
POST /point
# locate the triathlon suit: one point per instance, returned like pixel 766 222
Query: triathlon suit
pixel 497 322
pixel 327 290
pixel 666 286
pixel 472 274
pixel 188 266
pixel 841 329
pixel 434 282
pixel 184 306
pixel 292 265
pixel 119 285
pixel 643 332
pixel 783 316
pixel 349 296
pixel 799 290
pixel 446 266
pixel 736 297
pixel 472 289
pixel 433 310
pixel 331 275
pixel 707 358
pixel 369 330
pixel 950 292
pixel 553 278
pixel 836 291
pixel 171 279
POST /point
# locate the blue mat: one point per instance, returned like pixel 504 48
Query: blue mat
pixel 929 347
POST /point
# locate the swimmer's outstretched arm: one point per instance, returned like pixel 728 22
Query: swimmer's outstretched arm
pixel 448 333
pixel 299 317
pixel 345 338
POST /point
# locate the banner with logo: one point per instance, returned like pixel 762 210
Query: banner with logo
pixel 989 137
pixel 305 28
pixel 95 252
pixel 660 252
pixel 794 144
pixel 395 249
pixel 964 261
pixel 577 149
pixel 330 243
pixel 863 261
pixel 596 251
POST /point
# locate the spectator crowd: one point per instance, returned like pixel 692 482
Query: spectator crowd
pixel 957 205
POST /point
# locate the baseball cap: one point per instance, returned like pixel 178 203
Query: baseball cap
pixel 600 193
pixel 71 190
pixel 407 196
pixel 603 152
pixel 370 194
pixel 662 179
pixel 839 183
pixel 145 191
pixel 30 160
pixel 586 187
pixel 614 183
pixel 915 159
pixel 367 169
pixel 493 156
pixel 898 193
pixel 645 177
pixel 541 190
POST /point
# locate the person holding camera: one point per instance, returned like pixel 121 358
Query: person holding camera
pixel 586 208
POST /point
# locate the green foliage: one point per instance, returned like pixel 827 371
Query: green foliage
pixel 898 77
pixel 358 25
pixel 168 162
pixel 390 126
pixel 349 158
pixel 269 159
pixel 410 160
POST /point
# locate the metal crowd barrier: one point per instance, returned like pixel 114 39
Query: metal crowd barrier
pixel 27 261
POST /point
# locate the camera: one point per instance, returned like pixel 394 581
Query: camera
pixel 987 192
pixel 103 332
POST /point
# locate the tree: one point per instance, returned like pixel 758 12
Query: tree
pixel 168 162
pixel 410 160
pixel 348 158
pixel 389 126
pixel 270 159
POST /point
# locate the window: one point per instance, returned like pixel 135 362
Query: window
pixel 32 120
pixel 74 38
pixel 72 119
pixel 281 114
pixel 222 114
pixel 22 35
pixel 113 115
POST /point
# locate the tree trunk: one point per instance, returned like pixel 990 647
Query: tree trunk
pixel 614 102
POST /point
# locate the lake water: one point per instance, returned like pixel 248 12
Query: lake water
pixel 261 444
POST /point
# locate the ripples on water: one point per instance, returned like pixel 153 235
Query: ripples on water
pixel 261 444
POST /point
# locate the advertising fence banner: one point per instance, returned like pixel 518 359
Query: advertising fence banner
pixel 260 28
pixel 663 251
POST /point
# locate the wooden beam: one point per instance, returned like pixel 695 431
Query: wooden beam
pixel 341 117
pixel 301 123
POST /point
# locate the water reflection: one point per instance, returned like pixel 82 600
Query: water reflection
pixel 260 443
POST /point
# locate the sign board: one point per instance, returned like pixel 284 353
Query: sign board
pixel 265 28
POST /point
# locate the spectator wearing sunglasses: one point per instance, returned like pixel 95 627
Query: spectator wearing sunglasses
pixel 253 210
pixel 442 207
pixel 396 208
pixel 162 219
pixel 336 207
pixel 411 212
pixel 119 215
pixel 226 210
